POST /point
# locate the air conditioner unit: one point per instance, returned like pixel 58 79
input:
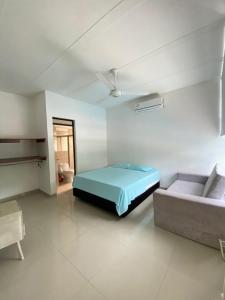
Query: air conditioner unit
pixel 149 104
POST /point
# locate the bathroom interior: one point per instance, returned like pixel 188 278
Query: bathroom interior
pixel 64 153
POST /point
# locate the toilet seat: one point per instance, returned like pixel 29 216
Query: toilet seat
pixel 67 172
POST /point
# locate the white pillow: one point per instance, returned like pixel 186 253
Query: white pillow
pixel 209 181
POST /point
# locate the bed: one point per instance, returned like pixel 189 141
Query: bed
pixel 118 188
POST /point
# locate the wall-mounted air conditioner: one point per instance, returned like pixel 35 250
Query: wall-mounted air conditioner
pixel 150 104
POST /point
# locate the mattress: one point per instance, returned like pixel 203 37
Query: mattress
pixel 118 185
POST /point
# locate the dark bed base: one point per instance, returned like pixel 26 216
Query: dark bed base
pixel 109 205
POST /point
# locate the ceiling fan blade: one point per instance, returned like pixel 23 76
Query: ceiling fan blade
pixel 108 98
pixel 105 80
pixel 134 93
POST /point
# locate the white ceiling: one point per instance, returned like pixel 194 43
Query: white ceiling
pixel 157 45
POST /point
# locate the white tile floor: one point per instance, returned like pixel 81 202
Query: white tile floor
pixel 74 251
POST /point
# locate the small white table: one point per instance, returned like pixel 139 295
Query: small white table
pixel 12 229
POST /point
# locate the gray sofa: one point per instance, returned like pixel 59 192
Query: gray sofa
pixel 181 209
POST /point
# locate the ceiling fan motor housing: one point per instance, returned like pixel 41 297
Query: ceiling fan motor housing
pixel 115 93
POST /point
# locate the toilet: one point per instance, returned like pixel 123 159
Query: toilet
pixel 67 173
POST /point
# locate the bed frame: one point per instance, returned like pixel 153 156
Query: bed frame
pixel 111 206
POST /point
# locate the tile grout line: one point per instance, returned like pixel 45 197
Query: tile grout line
pixel 165 275
pixel 70 218
pixel 59 249
pixel 106 298
pixel 34 226
pixel 61 254
pixel 89 281
pixel 74 267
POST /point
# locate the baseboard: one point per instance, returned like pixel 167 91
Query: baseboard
pixel 22 195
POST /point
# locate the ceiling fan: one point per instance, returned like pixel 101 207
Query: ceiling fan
pixel 113 86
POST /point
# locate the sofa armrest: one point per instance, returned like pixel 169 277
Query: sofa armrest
pixel 198 218
pixel 172 196
pixel 199 178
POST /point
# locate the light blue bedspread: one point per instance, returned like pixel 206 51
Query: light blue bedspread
pixel 118 185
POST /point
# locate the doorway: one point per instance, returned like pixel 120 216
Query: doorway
pixel 64 147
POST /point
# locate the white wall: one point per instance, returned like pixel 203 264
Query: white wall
pixel 90 127
pixel 16 119
pixel 223 102
pixel 24 117
pixel 183 136
pixel 40 121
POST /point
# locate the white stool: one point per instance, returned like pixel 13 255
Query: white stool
pixel 12 229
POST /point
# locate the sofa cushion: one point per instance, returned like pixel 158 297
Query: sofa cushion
pixel 215 185
pixel 209 181
pixel 217 188
pixel 187 187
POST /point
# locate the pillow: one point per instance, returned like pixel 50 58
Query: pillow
pixel 139 168
pixel 132 167
pixel 215 185
pixel 121 166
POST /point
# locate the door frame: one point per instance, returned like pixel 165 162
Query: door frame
pixel 74 138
